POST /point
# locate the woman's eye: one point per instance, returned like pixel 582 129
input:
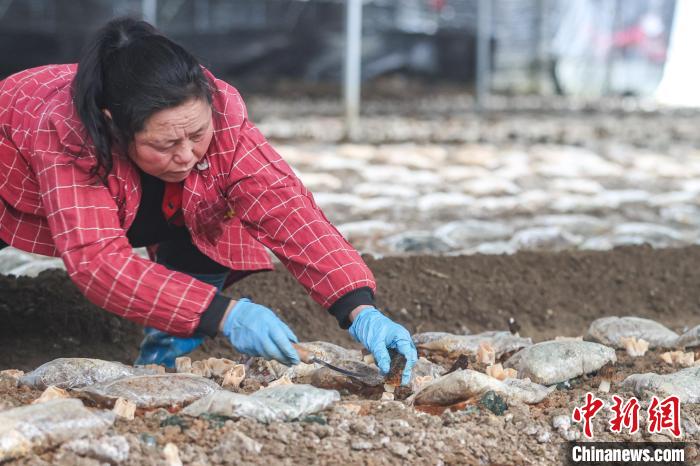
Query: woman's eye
pixel 164 148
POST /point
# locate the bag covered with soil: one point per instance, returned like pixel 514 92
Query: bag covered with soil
pixel 690 338
pixel 466 383
pixel 41 426
pixel 152 391
pixel 551 362
pixel 501 341
pixel 427 337
pixel 330 352
pixel 279 403
pixel 611 331
pixel 685 384
pixel 423 373
pixel 295 372
pixel 70 373
pixel 526 391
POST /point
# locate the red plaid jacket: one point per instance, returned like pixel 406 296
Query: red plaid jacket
pixel 242 197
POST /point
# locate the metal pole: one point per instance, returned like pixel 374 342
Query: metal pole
pixel 611 54
pixel 149 11
pixel 542 47
pixel 483 59
pixel 353 62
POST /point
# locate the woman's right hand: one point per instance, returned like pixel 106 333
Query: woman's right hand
pixel 256 331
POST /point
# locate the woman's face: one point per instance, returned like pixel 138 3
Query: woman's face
pixel 173 140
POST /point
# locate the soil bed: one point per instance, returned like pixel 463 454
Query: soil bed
pixel 549 294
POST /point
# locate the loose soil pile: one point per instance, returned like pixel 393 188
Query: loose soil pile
pixel 549 294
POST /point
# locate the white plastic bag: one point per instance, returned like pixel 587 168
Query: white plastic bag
pixel 466 383
pixel 526 391
pixel 153 391
pixel 42 426
pixel 685 384
pixel 297 401
pixel 235 405
pixel 501 341
pixel 427 337
pixel 424 373
pixel 551 362
pixel 457 386
pixel 689 338
pixel 612 330
pixel 279 403
pixel 72 373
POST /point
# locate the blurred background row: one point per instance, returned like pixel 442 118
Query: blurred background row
pixel 575 140
pixel 570 47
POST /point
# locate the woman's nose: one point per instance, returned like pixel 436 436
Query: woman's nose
pixel 185 155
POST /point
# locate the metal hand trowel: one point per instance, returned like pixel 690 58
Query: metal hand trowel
pixel 308 357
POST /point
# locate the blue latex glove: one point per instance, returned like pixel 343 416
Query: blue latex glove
pixel 256 330
pixel 161 348
pixel 377 332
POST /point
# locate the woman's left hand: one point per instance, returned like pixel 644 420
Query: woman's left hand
pixel 378 333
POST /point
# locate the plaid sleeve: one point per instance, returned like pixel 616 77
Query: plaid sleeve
pixel 84 223
pixel 278 211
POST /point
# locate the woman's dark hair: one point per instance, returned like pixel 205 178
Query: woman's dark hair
pixel 133 71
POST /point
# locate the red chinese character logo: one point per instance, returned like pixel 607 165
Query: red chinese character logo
pixel 626 415
pixel 587 412
pixel 664 415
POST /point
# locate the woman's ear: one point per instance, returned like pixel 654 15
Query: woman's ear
pixel 110 124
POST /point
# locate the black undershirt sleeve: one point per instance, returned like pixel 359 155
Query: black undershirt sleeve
pixel 342 308
pixel 211 317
